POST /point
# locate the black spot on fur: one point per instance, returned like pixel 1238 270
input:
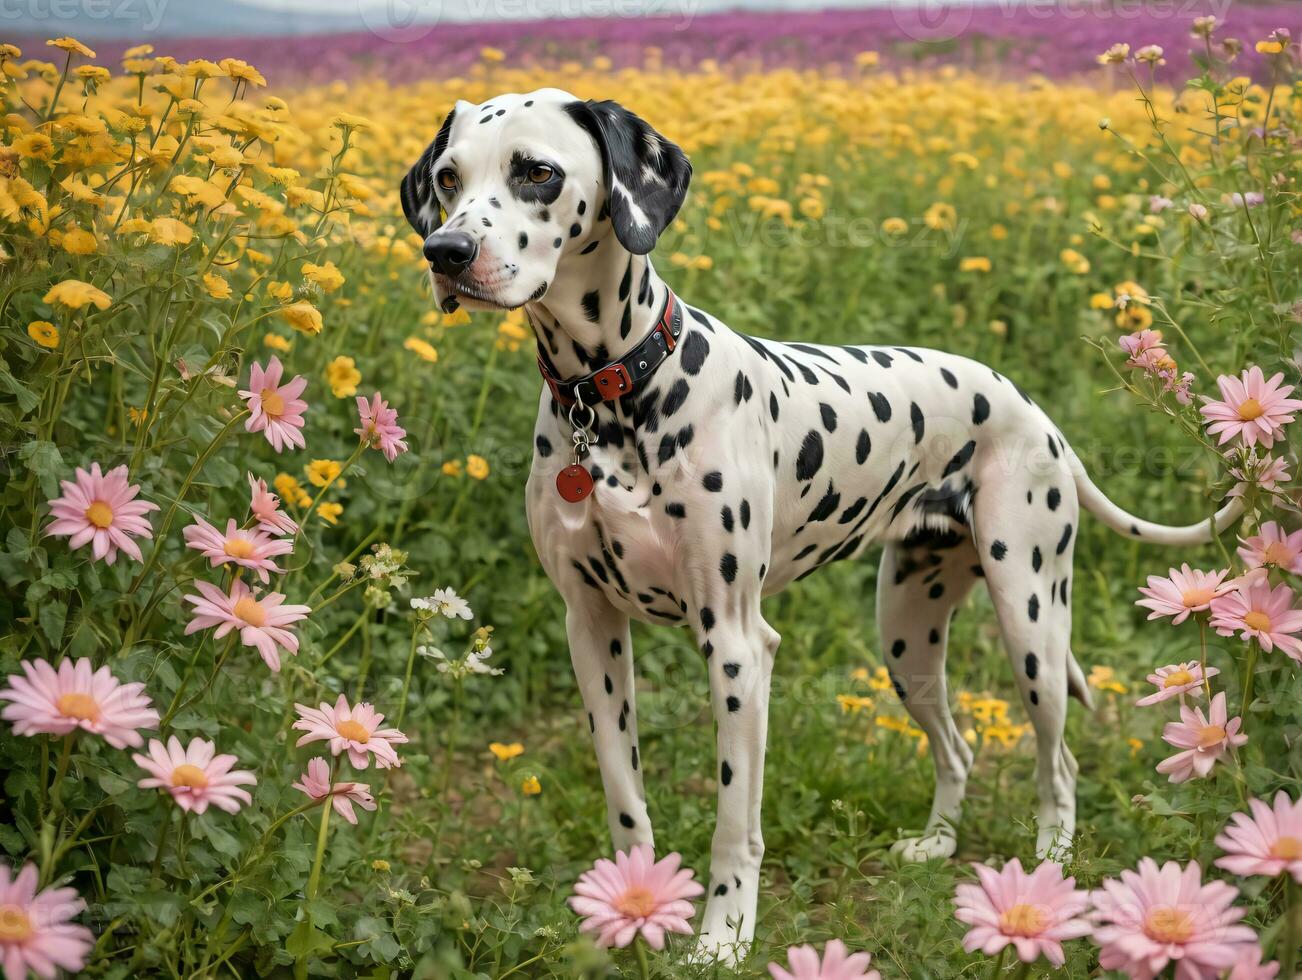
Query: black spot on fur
pixel 881 358
pixel 543 445
pixel 1054 498
pixel 980 409
pixel 626 821
pixel 1033 608
pixel 961 459
pixel 810 457
pixel 773 406
pixel 732 670
pixel 693 352
pixel 881 407
pixel 998 550
pixel 713 481
pixel 707 617
pixel 918 422
pixel 1037 559
pixel 728 568
pixel 592 305
pixel 734 704
pixel 949 377
pixel 745 514
pixel 897 648
pixel 829 416
pixel 725 773
pixel 616 648
pixel 1065 540
pixel 726 515
pixel 1032 665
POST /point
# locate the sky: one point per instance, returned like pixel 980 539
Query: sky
pixel 188 18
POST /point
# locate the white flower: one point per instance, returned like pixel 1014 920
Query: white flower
pixel 445 602
pixel 472 663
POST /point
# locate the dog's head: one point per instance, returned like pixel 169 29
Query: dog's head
pixel 511 189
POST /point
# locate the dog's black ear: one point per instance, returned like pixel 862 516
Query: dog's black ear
pixel 419 202
pixel 646 176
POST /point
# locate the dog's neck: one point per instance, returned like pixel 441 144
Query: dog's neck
pixel 598 308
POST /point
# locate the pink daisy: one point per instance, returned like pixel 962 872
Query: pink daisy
pixel 1256 409
pixel 380 428
pixel 355 729
pixel 1153 916
pixel 1186 590
pixel 49 702
pixel 1267 843
pixel 1272 546
pixel 36 931
pixel 634 894
pixel 316 784
pixel 194 775
pixel 247 548
pixel 1145 349
pixel 265 507
pixel 1203 740
pixel 1034 912
pixel 1255 611
pixel 1175 680
pixel 1250 967
pixel 837 964
pixel 275 410
pixel 1267 473
pixel 101 510
pixel 263 623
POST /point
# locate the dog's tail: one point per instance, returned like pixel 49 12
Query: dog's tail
pixel 1077 686
pixel 1096 502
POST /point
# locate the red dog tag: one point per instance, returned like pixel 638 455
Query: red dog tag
pixel 574 483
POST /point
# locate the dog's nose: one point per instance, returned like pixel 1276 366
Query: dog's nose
pixel 450 251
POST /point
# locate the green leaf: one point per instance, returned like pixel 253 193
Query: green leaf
pixel 306 939
pixel 53 616
pixel 44 460
pixel 27 399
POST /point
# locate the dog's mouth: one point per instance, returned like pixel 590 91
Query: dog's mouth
pixel 474 295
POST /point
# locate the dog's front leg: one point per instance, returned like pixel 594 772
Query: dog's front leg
pixel 602 656
pixel 739 652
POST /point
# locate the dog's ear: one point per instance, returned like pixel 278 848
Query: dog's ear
pixel 419 202
pixel 646 175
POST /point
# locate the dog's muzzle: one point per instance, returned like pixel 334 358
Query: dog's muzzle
pixel 450 252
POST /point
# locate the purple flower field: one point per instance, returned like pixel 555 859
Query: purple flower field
pixel 1059 39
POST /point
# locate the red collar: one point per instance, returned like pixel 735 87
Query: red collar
pixel 621 377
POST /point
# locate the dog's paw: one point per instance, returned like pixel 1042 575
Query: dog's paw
pixel 918 850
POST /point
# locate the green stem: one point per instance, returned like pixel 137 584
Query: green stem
pixel 999 964
pixel 314 879
pixel 406 680
pixel 1248 674
pixel 644 968
pixel 1288 939
pixel 176 502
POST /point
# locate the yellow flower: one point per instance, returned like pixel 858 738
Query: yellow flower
pixel 320 472
pixel 1104 679
pixel 379 864
pixel 1115 55
pixel 282 291
pixel 853 704
pixel 137 416
pixel 169 231
pixel 1101 301
pixel 457 318
pixel 940 216
pixel 216 286
pixel 242 71
pixel 1270 47
pixel 867 59
pixel 974 263
pixel 74 294
pixel 1134 316
pixel 343 377
pixel 881 680
pixel 276 342
pixel 999 328
pixel 813 208
pixel 72 46
pixel 1074 261
pixel 44 333
pixel 1135 746
pixel 895 226
pixel 79 241
pixel 303 317
pixel 505 753
pixel 34 146
pixel 327 276
pixel 347 120
pixel 329 512
pixel 452 467
pixel 422 349
pixel 492 54
pixel 531 786
pixel 477 467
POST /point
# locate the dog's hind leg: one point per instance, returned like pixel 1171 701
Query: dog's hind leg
pixel 920 583
pixel 602 656
pixel 1025 540
pixel 739 649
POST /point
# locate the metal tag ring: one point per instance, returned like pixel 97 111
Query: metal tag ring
pixel 592 415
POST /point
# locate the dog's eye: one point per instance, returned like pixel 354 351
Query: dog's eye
pixel 447 180
pixel 538 174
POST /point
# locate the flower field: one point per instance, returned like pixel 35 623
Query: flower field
pixel 285 691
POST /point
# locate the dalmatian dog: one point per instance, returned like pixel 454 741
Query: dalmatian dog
pixel 683 471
